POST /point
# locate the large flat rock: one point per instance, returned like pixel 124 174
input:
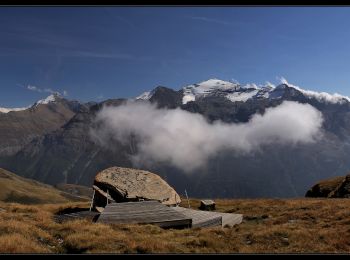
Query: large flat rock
pixel 133 185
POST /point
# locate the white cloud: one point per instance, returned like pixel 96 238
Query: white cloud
pixel 49 90
pixel 34 88
pixel 269 84
pixel 282 80
pixel 187 140
pixel 45 90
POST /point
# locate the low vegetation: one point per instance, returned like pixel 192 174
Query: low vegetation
pixel 269 226
pixel 26 191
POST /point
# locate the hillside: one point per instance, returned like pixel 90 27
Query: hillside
pixel 21 190
pixel 18 128
pixel 337 187
pixel 269 226
pixel 76 190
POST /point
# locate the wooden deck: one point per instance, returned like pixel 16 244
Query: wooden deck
pixel 153 212
pixel 209 218
pixel 144 212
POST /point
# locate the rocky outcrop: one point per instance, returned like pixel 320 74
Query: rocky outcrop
pixel 342 190
pixel 338 187
pixel 117 184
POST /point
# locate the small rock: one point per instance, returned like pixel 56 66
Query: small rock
pixel 285 241
pixel 207 205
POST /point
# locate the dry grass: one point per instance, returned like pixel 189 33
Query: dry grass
pixel 26 191
pixel 269 226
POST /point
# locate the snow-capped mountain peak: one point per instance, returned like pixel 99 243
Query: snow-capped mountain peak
pixel 235 92
pixel 146 95
pixel 52 98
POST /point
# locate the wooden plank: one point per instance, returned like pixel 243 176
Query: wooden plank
pixel 76 215
pixel 201 218
pixel 209 218
pixel 105 194
pixel 144 212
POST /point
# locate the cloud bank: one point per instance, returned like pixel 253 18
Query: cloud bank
pixel 187 140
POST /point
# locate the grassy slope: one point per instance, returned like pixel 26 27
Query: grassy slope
pixel 269 226
pixel 17 189
pixel 75 189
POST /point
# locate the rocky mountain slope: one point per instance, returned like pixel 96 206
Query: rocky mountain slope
pixel 19 126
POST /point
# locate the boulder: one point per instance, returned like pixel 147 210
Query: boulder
pixel 342 190
pixel 117 184
pixel 207 205
pixel 337 187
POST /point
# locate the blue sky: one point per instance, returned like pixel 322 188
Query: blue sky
pixel 95 53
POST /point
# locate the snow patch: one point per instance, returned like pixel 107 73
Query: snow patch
pixel 49 99
pixel 145 95
pixel 211 85
pixel 187 98
pixel 207 87
pixel 7 110
pixel 241 96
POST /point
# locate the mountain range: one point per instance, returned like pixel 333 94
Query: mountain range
pixel 51 141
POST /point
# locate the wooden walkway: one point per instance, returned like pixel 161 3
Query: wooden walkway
pixel 209 218
pixel 144 212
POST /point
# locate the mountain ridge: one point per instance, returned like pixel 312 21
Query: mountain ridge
pixel 69 154
pixel 237 92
